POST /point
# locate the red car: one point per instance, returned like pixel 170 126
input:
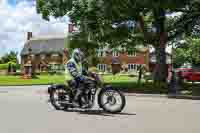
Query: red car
pixel 189 74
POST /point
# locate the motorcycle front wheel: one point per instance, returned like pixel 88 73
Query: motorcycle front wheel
pixel 112 100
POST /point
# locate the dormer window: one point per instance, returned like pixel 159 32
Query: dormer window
pixel 54 55
pixel 42 56
pixel 32 55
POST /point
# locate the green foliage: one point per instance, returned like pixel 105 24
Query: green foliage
pixel 18 66
pixel 194 51
pixel 96 18
pixel 9 57
pixel 89 49
pixel 189 53
pixel 179 57
pixel 5 66
pixel 94 60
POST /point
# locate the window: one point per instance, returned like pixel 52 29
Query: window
pixel 55 57
pixel 133 67
pixel 56 68
pixel 32 55
pixel 101 53
pixel 131 53
pixel 102 67
pixel 115 53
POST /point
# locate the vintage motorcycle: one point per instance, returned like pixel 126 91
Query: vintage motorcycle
pixel 110 99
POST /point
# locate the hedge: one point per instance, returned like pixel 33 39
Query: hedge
pixel 18 66
pixel 3 66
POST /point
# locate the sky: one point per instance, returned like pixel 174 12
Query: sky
pixel 17 17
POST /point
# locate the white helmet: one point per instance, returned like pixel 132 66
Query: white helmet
pixel 78 55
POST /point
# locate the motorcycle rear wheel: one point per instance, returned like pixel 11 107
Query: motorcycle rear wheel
pixel 56 100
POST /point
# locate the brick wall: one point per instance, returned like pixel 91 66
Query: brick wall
pixel 140 58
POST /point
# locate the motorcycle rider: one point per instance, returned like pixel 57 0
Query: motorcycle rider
pixel 77 71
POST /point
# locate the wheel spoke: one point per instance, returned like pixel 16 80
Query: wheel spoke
pixel 112 101
pixel 107 94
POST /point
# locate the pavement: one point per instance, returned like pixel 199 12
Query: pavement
pixel 26 110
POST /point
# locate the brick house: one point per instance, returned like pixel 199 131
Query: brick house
pixel 130 60
pixel 47 52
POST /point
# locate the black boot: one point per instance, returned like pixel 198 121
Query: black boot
pixel 75 102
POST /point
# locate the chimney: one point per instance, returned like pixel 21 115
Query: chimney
pixel 70 27
pixel 29 35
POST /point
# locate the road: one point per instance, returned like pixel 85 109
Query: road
pixel 26 110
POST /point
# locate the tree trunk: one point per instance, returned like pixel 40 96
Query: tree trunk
pixel 161 71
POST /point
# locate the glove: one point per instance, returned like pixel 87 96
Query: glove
pixel 81 78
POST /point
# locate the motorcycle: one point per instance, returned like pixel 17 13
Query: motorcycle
pixel 110 99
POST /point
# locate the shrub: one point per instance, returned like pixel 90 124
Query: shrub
pixel 18 66
pixel 3 66
pixel 43 73
pixel 60 73
pixel 6 66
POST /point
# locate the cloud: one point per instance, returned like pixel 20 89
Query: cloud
pixel 17 19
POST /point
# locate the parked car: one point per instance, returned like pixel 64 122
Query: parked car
pixel 189 74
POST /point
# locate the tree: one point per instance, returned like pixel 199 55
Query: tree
pixel 189 53
pixel 194 51
pixel 96 19
pixel 179 57
pixel 9 57
pixel 89 49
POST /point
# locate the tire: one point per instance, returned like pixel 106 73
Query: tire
pixel 53 100
pixel 106 109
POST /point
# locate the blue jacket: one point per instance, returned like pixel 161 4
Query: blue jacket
pixel 75 70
